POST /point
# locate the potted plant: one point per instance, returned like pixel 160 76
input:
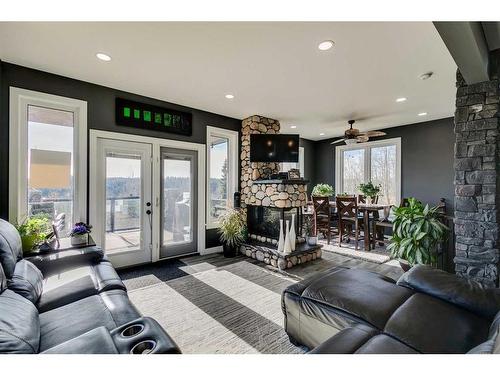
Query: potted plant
pixel 80 234
pixel 232 231
pixel 417 231
pixel 33 231
pixel 323 190
pixel 310 232
pixel 370 190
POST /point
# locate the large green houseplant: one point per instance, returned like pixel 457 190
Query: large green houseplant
pixel 232 231
pixel 417 231
pixel 33 231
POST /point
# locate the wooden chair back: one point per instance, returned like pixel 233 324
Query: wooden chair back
pixel 321 206
pixel 347 207
pixel 362 199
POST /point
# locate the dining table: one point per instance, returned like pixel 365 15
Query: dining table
pixel 366 209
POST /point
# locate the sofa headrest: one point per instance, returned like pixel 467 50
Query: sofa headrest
pixel 11 249
pixel 466 293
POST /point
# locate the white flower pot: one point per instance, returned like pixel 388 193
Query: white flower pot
pixel 80 239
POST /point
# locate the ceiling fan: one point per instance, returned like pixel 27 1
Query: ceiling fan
pixel 353 135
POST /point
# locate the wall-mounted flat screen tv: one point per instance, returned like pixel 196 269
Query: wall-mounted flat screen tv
pixel 274 148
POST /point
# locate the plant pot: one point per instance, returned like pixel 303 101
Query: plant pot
pixel 80 239
pixel 28 242
pixel 312 241
pixel 229 251
pixel 404 265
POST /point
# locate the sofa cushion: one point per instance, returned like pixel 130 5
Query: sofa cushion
pixel 108 309
pixel 19 324
pixel 72 284
pixel 361 339
pixel 369 296
pixel 466 293
pixel 11 249
pixel 431 325
pixel 27 281
pixel 96 341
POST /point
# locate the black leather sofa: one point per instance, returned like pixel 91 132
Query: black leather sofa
pixel 71 301
pixel 345 311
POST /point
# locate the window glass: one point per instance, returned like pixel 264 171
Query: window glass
pixel 353 173
pixel 50 165
pixel 218 185
pixel 383 172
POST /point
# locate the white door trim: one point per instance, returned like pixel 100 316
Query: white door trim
pixel 156 143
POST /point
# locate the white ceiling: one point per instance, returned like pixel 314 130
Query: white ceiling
pixel 273 69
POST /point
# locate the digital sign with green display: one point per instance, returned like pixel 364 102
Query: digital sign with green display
pixel 145 116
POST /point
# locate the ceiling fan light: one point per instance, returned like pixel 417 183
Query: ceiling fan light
pixel 350 141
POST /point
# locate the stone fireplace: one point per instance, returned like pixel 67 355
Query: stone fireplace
pixel 267 200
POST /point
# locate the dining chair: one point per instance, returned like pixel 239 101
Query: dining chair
pixel 362 199
pixel 380 226
pixel 349 219
pixel 323 217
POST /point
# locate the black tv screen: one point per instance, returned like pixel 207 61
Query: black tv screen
pixel 274 148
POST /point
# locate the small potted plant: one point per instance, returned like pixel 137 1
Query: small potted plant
pixel 33 231
pixel 323 190
pixel 417 232
pixel 232 231
pixel 311 236
pixel 80 234
pixel 370 190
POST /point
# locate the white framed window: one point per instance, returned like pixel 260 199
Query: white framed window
pixel 285 166
pixel 377 161
pixel 48 157
pixel 222 171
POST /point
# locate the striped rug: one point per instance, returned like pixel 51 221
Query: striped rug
pixel 211 304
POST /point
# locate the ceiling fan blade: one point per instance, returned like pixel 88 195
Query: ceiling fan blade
pixel 338 141
pixel 362 138
pixel 374 133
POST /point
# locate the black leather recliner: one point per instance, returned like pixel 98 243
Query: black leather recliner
pixel 345 310
pixel 72 301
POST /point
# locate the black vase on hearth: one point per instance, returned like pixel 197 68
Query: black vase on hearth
pixel 229 251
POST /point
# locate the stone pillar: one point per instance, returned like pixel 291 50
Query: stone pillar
pixel 477 174
pixel 254 171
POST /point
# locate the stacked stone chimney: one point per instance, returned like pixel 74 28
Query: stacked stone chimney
pixel 477 174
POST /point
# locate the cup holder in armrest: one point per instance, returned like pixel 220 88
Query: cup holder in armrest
pixel 144 347
pixel 132 330
pixel 143 336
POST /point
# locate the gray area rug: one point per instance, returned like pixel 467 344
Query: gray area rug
pixel 214 305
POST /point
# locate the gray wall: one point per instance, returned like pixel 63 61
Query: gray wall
pixel 426 160
pixel 101 115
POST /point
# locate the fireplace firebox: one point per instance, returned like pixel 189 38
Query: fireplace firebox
pixel 263 222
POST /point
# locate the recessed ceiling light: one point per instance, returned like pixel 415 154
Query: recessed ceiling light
pixel 229 96
pixel 422 114
pixel 326 45
pixel 293 126
pixel 425 76
pixel 103 56
pixel 400 100
pixel 321 133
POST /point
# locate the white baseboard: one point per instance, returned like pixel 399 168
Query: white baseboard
pixel 211 250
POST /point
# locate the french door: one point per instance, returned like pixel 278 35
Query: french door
pixel 145 197
pixel 123 208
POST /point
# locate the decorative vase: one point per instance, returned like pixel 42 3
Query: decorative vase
pixel 288 245
pixel 281 240
pixel 80 239
pixel 229 251
pixel 312 241
pixel 291 235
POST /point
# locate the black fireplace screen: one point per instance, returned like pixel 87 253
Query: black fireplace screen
pixel 265 221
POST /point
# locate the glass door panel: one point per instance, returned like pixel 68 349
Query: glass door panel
pixel 353 171
pixel 123 202
pixel 178 200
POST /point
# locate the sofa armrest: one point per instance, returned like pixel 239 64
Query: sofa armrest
pixel 96 341
pixel 468 294
pixel 346 341
pixel 54 262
